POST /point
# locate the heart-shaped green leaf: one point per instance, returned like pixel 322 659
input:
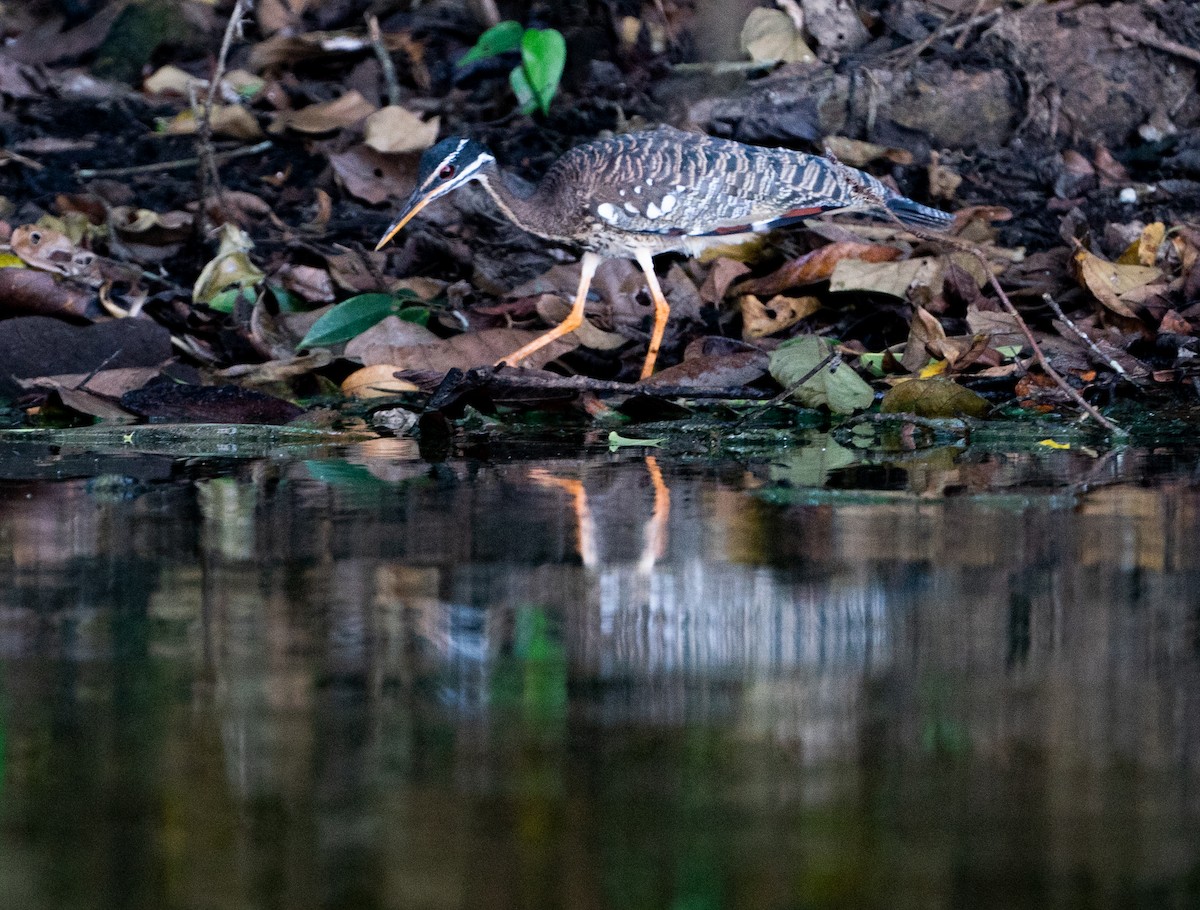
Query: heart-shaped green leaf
pixel 498 39
pixel 354 316
pixel 842 390
pixel 526 99
pixel 543 56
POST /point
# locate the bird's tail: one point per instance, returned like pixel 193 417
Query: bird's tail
pixel 919 215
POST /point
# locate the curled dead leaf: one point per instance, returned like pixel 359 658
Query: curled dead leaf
pixel 377 381
pixel 762 319
pixel 326 116
pixel 554 309
pixel 395 129
pixel 1116 286
pixel 817 266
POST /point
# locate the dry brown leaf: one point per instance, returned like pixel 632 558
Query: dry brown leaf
pixel 373 176
pixel 149 236
pixel 394 129
pixel 326 116
pixel 770 36
pixel 477 349
pixel 723 273
pixel 714 371
pixel 762 319
pixel 1113 284
pixel 817 266
pixel 857 153
pixel 943 181
pixel 1173 323
pixel 113 383
pixel 307 281
pixel 923 331
pixel 553 309
pixel 1144 250
pixel 380 343
pixel 274 15
pixel 231 120
pixel 377 381
pixel 1002 328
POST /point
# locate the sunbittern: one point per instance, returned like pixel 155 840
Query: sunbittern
pixel 658 191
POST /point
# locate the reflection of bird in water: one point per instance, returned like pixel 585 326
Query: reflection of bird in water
pixel 654 530
pixel 637 195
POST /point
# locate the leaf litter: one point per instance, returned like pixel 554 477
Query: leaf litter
pixel 310 141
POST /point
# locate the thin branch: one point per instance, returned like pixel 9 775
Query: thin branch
pixel 518 378
pixel 210 175
pixel 385 60
pixel 1096 352
pixel 973 250
pixel 220 157
pixel 1156 41
pixel 832 360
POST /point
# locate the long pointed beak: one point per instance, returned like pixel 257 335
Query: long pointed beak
pixel 403 220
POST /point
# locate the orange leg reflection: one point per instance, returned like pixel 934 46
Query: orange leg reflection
pixel 585 526
pixel 654 532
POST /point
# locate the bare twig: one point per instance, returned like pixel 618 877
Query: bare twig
pixel 832 360
pixel 385 60
pixel 210 175
pixel 1104 358
pixel 6 156
pixel 517 378
pixel 1156 41
pixel 974 251
pixel 220 157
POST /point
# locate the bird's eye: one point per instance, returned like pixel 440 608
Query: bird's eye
pixel 447 172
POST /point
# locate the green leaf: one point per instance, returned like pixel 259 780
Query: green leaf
pixel 287 301
pixel 524 92
pixel 934 398
pixel 842 390
pixel 225 301
pixel 616 441
pixel 506 36
pixel 873 362
pixel 543 56
pixel 354 316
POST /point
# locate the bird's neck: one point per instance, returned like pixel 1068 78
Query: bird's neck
pixel 530 209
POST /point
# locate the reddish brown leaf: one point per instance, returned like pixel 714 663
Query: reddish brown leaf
pixel 816 266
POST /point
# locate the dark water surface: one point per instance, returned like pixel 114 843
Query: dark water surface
pixel 616 682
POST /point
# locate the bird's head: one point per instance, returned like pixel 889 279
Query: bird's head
pixel 443 168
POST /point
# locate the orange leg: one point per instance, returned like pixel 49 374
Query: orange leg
pixel 662 310
pixel 587 268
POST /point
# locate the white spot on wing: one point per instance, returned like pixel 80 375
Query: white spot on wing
pixel 679 187
pixel 631 208
pixel 606 211
pixel 622 192
pixel 668 202
pixel 653 211
pixel 649 181
pixel 637 190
